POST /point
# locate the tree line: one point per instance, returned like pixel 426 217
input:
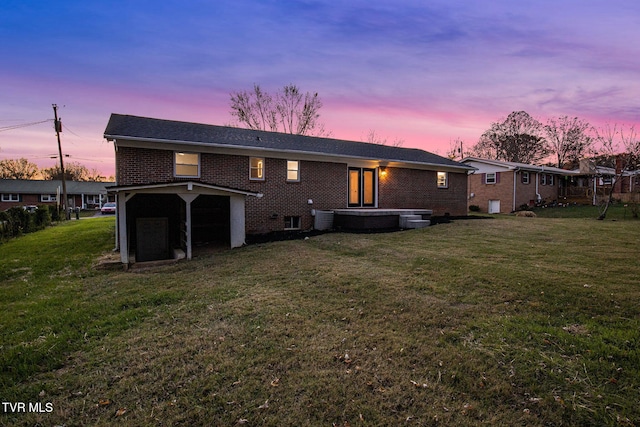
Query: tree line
pixel 517 138
pixel 24 169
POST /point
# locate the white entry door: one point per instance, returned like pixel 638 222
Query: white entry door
pixel 494 206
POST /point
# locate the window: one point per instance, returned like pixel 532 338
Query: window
pixel 606 180
pixel 550 180
pixel 543 179
pixel 490 178
pixel 47 197
pixel 256 168
pixel 10 197
pixel 443 180
pixel 362 187
pixel 187 164
pixel 292 223
pixel 525 177
pixel 293 170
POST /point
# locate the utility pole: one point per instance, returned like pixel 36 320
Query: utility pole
pixel 58 126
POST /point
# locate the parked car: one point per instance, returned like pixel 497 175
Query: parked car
pixel 108 208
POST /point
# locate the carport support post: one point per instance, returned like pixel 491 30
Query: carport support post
pixel 188 198
pixel 121 226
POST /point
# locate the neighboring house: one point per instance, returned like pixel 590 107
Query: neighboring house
pixel 23 192
pixel 502 187
pixel 591 183
pixel 185 183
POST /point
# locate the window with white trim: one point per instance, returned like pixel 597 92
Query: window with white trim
pixel 293 170
pixel 292 223
pixel 10 197
pixel 256 168
pixel 543 179
pixel 187 164
pixel 47 197
pixel 490 178
pixel 525 177
pixel 550 180
pixel 443 180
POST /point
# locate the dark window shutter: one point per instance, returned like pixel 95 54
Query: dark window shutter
pixel 497 177
pixel 484 178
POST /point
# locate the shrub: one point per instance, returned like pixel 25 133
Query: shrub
pixel 474 208
pixel 54 212
pixel 43 217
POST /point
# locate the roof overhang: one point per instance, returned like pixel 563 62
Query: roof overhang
pixel 208 147
pixel 511 166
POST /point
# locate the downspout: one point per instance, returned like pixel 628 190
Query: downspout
pixel 515 180
pixel 538 196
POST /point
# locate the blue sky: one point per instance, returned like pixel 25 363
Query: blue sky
pixel 424 72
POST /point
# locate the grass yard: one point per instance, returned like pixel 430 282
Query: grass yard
pixel 505 321
pixel 616 212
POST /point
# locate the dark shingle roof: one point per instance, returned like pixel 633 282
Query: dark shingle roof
pixel 28 186
pixel 149 129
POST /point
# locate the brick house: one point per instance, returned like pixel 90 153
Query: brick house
pixel 592 183
pixel 26 192
pixel 502 187
pixel 187 183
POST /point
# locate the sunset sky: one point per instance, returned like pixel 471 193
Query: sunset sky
pixel 426 72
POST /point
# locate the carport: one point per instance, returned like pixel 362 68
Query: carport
pixel 164 221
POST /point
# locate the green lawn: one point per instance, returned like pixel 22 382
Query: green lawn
pixel 504 321
pixel 616 212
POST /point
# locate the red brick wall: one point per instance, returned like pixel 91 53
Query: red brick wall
pixel 418 189
pixel 143 166
pixel 324 183
pixel 26 200
pixel 503 191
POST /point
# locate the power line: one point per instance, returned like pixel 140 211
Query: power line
pixel 22 125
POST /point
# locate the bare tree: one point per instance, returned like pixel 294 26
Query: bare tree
pixel 456 149
pixel 517 139
pixel 289 110
pixel 568 138
pixel 73 171
pixel 18 169
pixel 622 144
pixel 375 138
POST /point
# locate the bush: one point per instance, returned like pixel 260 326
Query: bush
pixel 524 207
pixel 17 221
pixel 54 212
pixel 43 217
pixel 474 208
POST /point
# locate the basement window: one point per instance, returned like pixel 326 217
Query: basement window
pixel 292 223
pixel 187 165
